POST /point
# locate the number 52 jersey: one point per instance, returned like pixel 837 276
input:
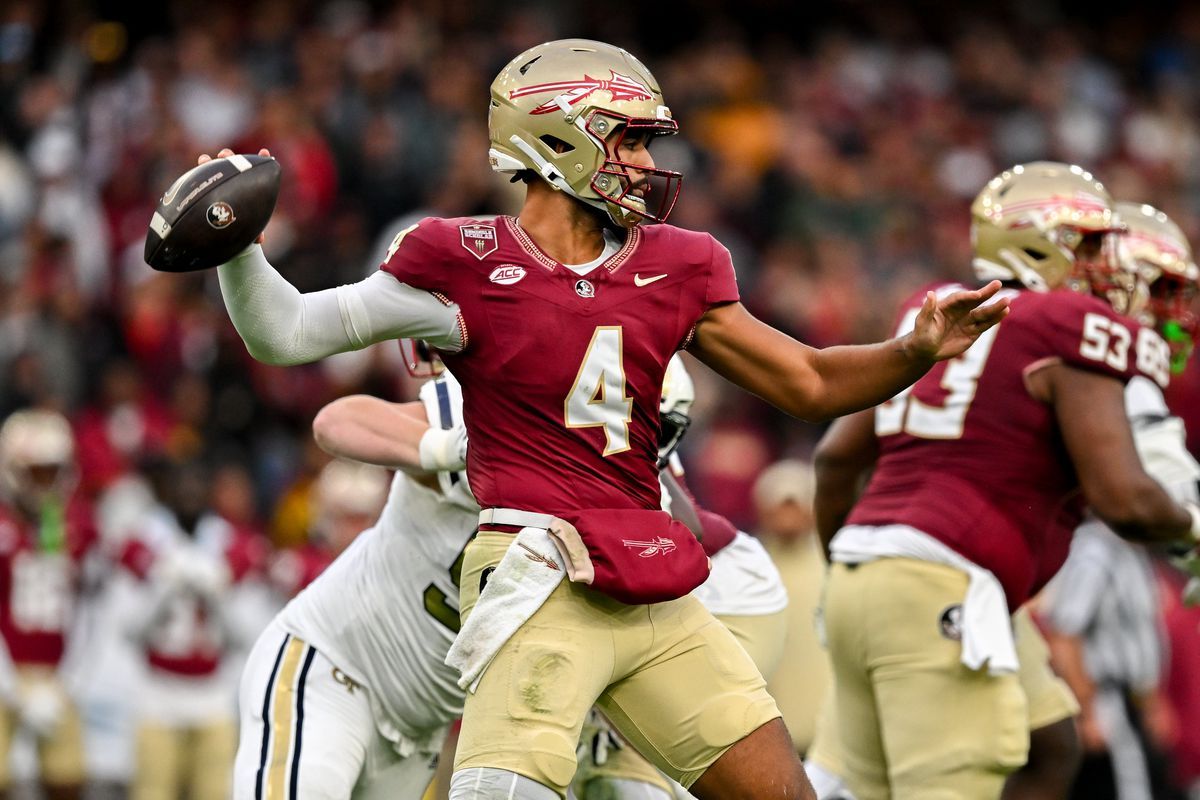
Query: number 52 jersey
pixel 562 372
pixel 970 457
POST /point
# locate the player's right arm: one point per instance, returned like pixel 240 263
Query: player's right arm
pixel 282 326
pixel 1090 409
pixel 842 461
pixel 393 435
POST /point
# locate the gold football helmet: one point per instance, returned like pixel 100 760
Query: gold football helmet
pixel 1159 251
pixel 562 110
pixel 1046 224
pixel 37 458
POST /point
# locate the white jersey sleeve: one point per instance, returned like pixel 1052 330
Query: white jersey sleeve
pixel 443 401
pixel 280 325
pixel 1161 440
pixel 1144 398
pixel 744 581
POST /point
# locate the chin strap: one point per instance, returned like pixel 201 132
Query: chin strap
pixel 543 167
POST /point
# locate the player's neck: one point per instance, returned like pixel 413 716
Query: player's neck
pixel 564 229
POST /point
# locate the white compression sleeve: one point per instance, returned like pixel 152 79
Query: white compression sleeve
pixel 282 326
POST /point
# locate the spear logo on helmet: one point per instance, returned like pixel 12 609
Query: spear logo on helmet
pixel 620 86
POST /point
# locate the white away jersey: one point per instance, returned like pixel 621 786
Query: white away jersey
pixel 386 611
pixel 744 581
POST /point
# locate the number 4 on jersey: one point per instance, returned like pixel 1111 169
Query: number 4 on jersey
pixel 598 397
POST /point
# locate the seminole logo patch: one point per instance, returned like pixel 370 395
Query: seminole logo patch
pixel 950 622
pixel 658 546
pixel 479 240
pixel 220 215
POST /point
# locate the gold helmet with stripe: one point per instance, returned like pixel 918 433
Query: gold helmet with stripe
pixel 1154 246
pixel 562 109
pixel 1048 224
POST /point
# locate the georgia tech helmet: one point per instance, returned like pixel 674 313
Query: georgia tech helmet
pixel 678 394
pixel 562 109
pixel 1154 246
pixel 1042 223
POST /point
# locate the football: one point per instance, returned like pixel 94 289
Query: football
pixel 212 212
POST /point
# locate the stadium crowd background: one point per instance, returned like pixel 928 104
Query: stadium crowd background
pixel 835 155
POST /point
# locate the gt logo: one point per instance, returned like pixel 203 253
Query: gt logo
pixel 507 274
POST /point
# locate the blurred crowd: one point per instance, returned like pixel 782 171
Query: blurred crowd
pixel 835 156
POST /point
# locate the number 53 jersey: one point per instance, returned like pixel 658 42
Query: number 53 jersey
pixel 970 457
pixel 562 370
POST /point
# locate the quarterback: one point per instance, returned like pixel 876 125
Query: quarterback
pixel 559 323
pixel 974 496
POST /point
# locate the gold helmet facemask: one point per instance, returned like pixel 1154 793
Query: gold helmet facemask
pixel 1169 279
pixel 564 109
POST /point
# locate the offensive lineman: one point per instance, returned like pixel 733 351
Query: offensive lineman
pixel 932 560
pixel 560 323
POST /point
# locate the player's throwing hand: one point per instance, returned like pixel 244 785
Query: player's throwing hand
pixel 225 153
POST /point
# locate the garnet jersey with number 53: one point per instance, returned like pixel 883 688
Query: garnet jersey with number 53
pixel 562 373
pixel 968 456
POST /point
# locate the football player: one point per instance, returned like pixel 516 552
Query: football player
pixel 46 533
pixel 975 490
pixel 347 690
pixel 744 592
pixel 394 591
pixel 182 567
pixel 560 322
pixel 1106 638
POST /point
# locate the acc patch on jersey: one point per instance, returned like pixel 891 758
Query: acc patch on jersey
pixel 479 240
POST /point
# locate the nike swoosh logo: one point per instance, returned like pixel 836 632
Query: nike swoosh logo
pixel 640 281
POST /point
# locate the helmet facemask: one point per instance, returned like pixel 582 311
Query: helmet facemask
pixel 653 194
pixel 1098 269
pixel 1169 309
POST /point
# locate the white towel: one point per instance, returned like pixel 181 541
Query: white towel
pixel 530 570
pixel 987 637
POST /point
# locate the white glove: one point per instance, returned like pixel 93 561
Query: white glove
pixel 41 706
pixel 1162 447
pixel 171 569
pixel 206 575
pixel 443 450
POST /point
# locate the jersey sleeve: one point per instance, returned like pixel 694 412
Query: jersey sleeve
pixel 1085 333
pixel 442 398
pixel 416 257
pixel 722 279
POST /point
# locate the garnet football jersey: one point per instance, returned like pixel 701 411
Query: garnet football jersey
pixel 562 373
pixel 40 573
pixel 969 457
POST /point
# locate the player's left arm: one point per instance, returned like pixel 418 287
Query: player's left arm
pixel 821 384
pixel 393 435
pixel 842 461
